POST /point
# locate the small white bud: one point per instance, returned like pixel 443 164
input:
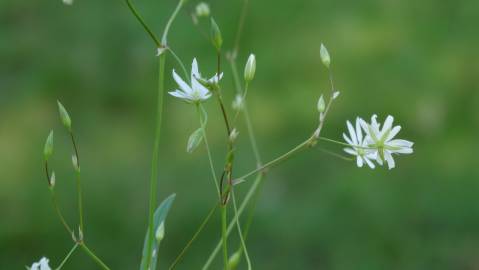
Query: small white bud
pixel 80 234
pixel 68 2
pixel 48 149
pixel 238 103
pixel 336 94
pixel 321 104
pixel 52 180
pixel 160 232
pixel 234 135
pixel 216 37
pixel 202 10
pixel 325 58
pixel 250 68
pixel 75 163
pixel 160 50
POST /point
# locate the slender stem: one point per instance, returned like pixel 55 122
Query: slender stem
pixel 80 201
pixel 143 23
pixel 243 244
pixel 59 213
pixel 182 65
pixel 200 109
pixel 93 256
pixel 231 225
pixel 334 154
pixel 170 21
pixel 68 256
pixel 155 159
pixel 198 231
pixel 240 27
pixel 224 235
pixel 276 161
pixel 344 144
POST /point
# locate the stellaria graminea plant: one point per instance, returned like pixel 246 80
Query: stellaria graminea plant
pixel 367 142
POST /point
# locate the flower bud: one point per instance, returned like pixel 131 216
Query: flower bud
pixel 75 163
pixel 52 180
pixel 68 2
pixel 237 103
pixel 325 58
pixel 67 122
pixel 336 94
pixel 48 149
pixel 234 260
pixel 202 10
pixel 216 37
pixel 321 104
pixel 250 68
pixel 234 135
pixel 160 232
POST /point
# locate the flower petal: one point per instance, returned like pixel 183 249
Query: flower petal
pixel 359 132
pixel 352 133
pixel 347 139
pixel 182 84
pixel 393 133
pixel 359 162
pixel 389 159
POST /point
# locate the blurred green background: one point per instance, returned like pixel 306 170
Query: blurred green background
pixel 416 60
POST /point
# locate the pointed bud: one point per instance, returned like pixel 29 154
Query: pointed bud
pixel 52 180
pixel 234 260
pixel 237 103
pixel 48 149
pixel 202 10
pixel 68 2
pixel 336 94
pixel 160 50
pixel 160 232
pixel 75 163
pixel 216 37
pixel 250 68
pixel 67 122
pixel 80 234
pixel 321 104
pixel 325 58
pixel 234 135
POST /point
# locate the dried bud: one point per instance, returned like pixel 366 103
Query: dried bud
pixel 216 37
pixel 250 68
pixel 202 10
pixel 321 104
pixel 67 122
pixel 160 232
pixel 325 58
pixel 48 149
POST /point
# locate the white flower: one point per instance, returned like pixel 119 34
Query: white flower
pixel 382 140
pixel 238 102
pixel 194 93
pixel 359 145
pixel 202 10
pixel 41 265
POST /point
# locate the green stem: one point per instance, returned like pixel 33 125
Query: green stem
pixel 143 23
pixel 59 213
pixel 334 154
pixel 344 144
pixel 198 231
pixel 93 256
pixel 243 244
pixel 201 111
pixel 170 21
pixel 155 160
pixel 182 65
pixel 240 27
pixel 276 161
pixel 67 257
pixel 224 235
pixel 80 201
pixel 232 223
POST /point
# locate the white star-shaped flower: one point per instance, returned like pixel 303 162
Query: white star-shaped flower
pixel 359 145
pixel 382 140
pixel 41 265
pixel 196 92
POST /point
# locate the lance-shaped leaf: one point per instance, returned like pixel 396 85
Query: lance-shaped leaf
pixel 159 217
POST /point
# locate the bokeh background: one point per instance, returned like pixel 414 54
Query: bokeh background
pixel 416 60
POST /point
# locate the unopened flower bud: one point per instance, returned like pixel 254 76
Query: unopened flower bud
pixel 160 232
pixel 216 37
pixel 234 260
pixel 75 163
pixel 238 103
pixel 234 135
pixel 250 68
pixel 325 58
pixel 202 10
pixel 52 180
pixel 48 149
pixel 336 94
pixel 68 2
pixel 67 122
pixel 321 104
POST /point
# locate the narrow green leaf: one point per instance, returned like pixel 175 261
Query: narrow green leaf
pixel 159 217
pixel 194 141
